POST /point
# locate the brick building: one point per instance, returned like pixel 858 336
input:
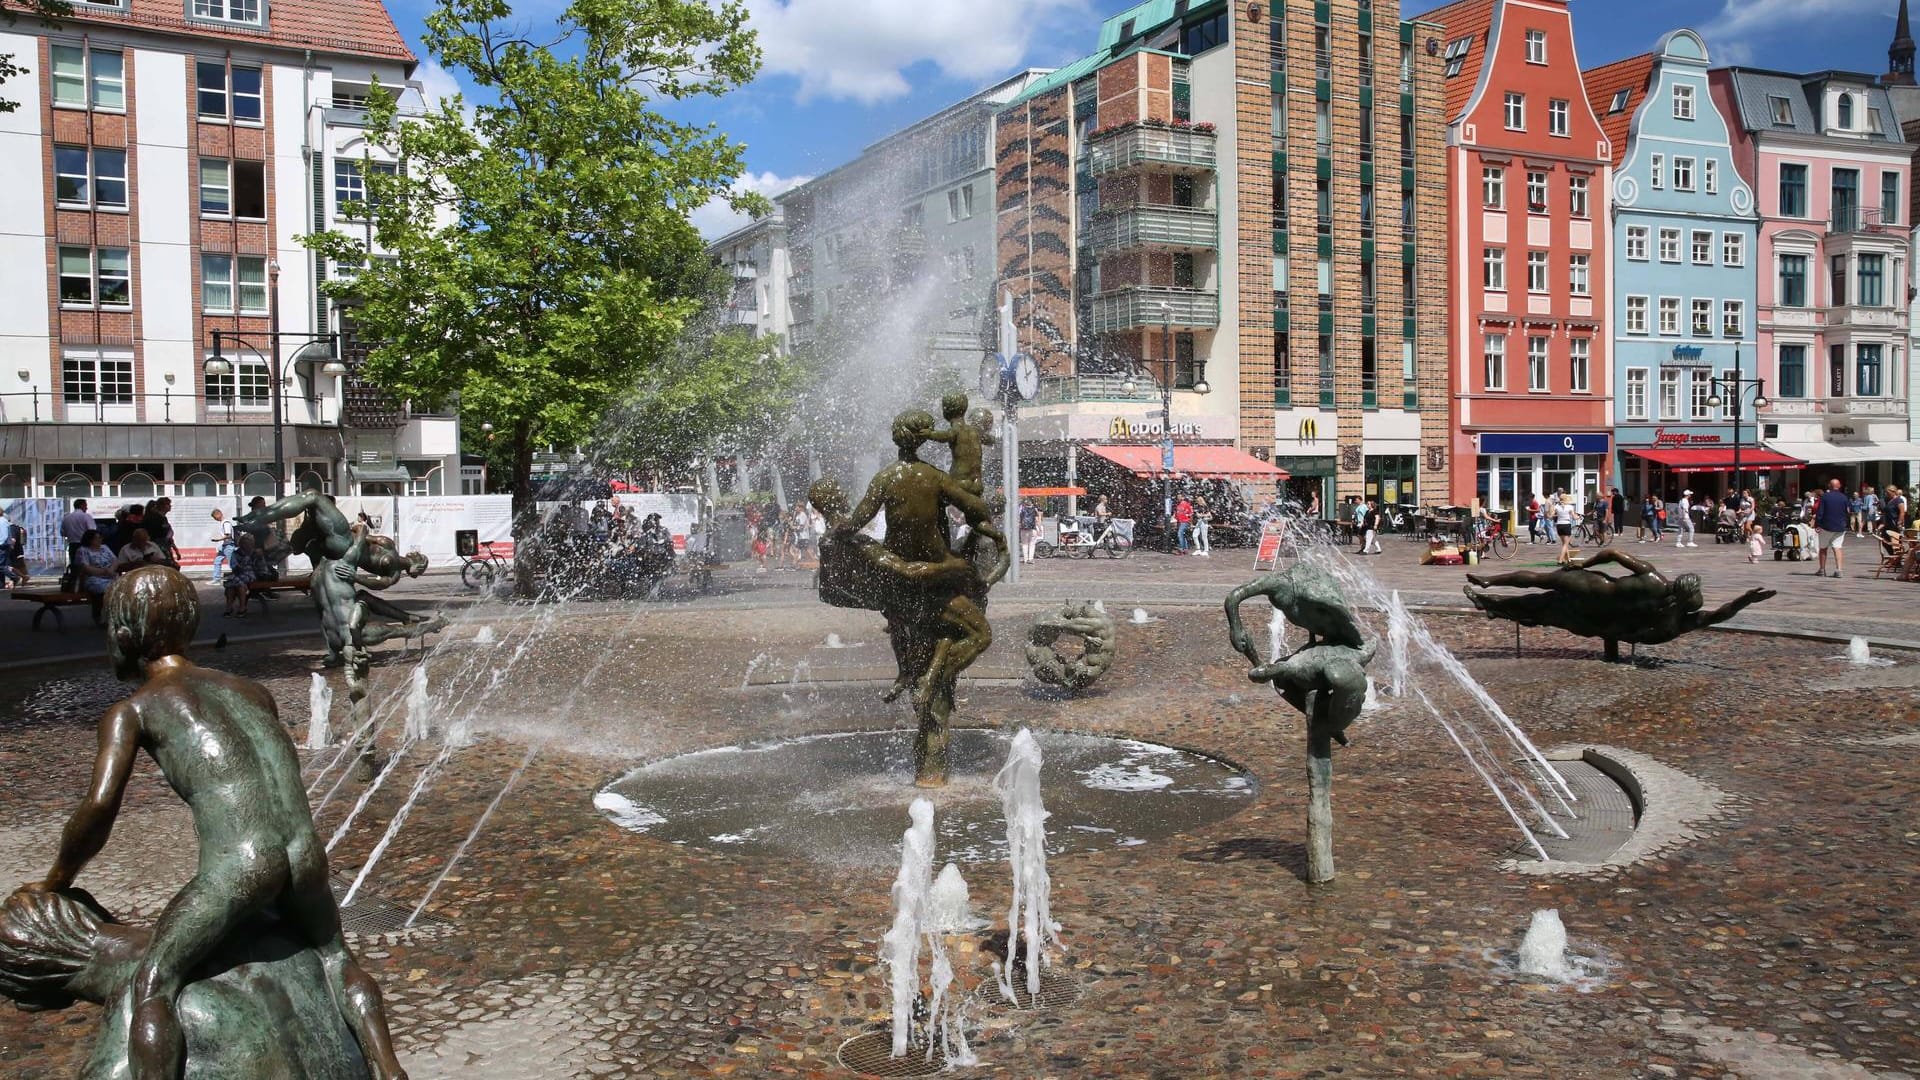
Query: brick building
pixel 1245 199
pixel 161 165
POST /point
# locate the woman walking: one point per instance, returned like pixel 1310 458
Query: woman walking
pixel 1561 507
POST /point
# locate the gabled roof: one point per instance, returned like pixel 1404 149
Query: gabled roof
pixel 1605 82
pixel 340 27
pixel 1468 19
pixel 1754 90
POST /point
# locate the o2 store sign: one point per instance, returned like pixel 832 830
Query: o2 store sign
pixel 1597 443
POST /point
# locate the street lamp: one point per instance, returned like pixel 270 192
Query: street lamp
pixel 1735 386
pixel 1200 386
pixel 218 364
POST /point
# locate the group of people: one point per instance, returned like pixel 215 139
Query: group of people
pixel 786 538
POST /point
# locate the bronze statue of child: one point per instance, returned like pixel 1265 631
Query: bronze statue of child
pixel 219 742
pixel 967 435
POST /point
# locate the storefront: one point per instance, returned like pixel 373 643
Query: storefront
pixel 1138 478
pixel 1392 478
pixel 1512 468
pixel 1704 470
pixel 1057 449
pixel 1867 444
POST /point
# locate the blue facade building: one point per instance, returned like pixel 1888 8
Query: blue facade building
pixel 1685 287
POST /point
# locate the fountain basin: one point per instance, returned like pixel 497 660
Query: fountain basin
pixel 838 798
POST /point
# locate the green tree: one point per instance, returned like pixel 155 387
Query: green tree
pixel 542 263
pixel 48 12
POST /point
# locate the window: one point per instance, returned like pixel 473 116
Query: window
pixel 89 78
pixel 1493 187
pixel 1536 271
pixel 1619 103
pixel 1793 281
pixel 1323 126
pixel 1876 123
pixel 1326 371
pixel 1669 314
pixel 1456 54
pixel 350 184
pixel 1580 361
pixel 1733 319
pixel 245 386
pixel 1637 393
pixel 1657 174
pixel 1733 249
pixel 1710 176
pixel 92 378
pixel 1282 370
pixel 1844 112
pixel 1557 116
pixel 1494 361
pixel 1793 371
pixel 90 177
pixel 1782 110
pixel 1204 35
pixel 1669 394
pixel 1536 192
pixel 1793 190
pixel 1683 174
pixel 1702 247
pixel 92 277
pixel 216 187
pixel 1537 364
pixel 1700 392
pixel 1889 198
pixel 227 278
pixel 1683 102
pixel 1577 196
pixel 1577 278
pixel 241 11
pixel 1636 314
pixel 1867 370
pixel 224 93
pixel 1493 268
pixel 966 200
pixel 1369 372
pixel 1870 292
pixel 1536 46
pixel 1670 245
pixel 1516 111
pixel 1637 242
pixel 1702 317
pixel 1837 370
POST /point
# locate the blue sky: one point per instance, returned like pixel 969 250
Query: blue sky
pixel 841 73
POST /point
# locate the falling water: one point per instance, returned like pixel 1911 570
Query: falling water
pixel 901 945
pixel 484 636
pixel 949 908
pixel 1397 634
pixel 319 709
pixel 1141 618
pixel 419 720
pixel 1372 703
pixel 1544 949
pixel 1858 651
pixel 367 795
pixel 1030 912
pixel 1276 637
pixel 498 797
pixel 1492 785
pixel 754 665
pixel 399 818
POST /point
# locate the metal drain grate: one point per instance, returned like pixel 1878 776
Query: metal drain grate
pixel 872 1055
pixel 1056 990
pixel 370 914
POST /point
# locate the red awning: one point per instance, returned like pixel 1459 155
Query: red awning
pixel 1046 492
pixel 1200 462
pixel 1716 459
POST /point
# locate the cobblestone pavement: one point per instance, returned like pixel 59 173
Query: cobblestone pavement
pixel 1774 941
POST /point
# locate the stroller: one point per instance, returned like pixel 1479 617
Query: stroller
pixel 1792 540
pixel 1726 527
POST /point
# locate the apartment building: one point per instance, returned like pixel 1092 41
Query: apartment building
pixel 1684 285
pixel 162 163
pixel 1831 172
pixel 1242 201
pixel 1529 177
pixel 755 255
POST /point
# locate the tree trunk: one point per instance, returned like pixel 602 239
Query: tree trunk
pixel 525 522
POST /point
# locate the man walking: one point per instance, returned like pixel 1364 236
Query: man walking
pixel 1683 533
pixel 1370 529
pixel 1830 517
pixel 74 525
pixel 1183 520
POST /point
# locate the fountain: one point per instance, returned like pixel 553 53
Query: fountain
pixel 914 929
pixel 1141 618
pixel 1398 633
pixel 1858 652
pixel 1372 702
pixel 319 706
pixel 1543 951
pixel 419 717
pixel 1276 636
pixel 1029 914
pixel 484 636
pixel 949 908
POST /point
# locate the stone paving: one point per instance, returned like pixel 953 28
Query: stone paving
pixel 1772 937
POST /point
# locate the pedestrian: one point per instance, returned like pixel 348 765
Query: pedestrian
pixel 1536 519
pixel 1029 530
pixel 803 537
pixel 243 569
pixel 1756 542
pixel 1616 513
pixel 1183 521
pixel 1370 529
pixel 13 552
pixel 223 545
pixel 1830 517
pixel 1683 529
pixel 75 524
pixel 1313 506
pixel 1895 512
pixel 1872 508
pixel 759 534
pixel 1101 514
pixel 1201 513
pixel 1648 522
pixel 160 530
pixel 1561 508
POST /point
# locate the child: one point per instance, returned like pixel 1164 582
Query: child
pixel 967 436
pixel 1756 542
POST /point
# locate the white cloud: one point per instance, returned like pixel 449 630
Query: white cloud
pixel 716 218
pixel 861 49
pixel 436 83
pixel 1732 34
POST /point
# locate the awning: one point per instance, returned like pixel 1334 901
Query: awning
pixel 1826 453
pixel 1199 462
pixel 376 474
pixel 1045 492
pixel 1716 458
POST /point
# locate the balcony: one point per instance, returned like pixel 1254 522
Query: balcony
pixel 1075 389
pixel 1866 406
pixel 743 317
pixel 1873 318
pixel 1181 150
pixel 1860 219
pixel 744 271
pixel 1158 228
pixel 800 283
pixel 1139 306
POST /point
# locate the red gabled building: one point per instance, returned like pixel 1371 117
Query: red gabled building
pixel 1528 175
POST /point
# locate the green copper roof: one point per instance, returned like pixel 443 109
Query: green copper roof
pixel 1150 15
pixel 1147 17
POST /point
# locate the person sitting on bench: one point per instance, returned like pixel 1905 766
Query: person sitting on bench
pixel 140 551
pixel 96 567
pixel 247 566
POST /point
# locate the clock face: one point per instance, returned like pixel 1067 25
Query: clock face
pixel 990 375
pixel 1026 377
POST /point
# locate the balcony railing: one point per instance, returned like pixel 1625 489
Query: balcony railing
pixel 53 407
pixel 1074 389
pixel 1866 406
pixel 1160 227
pixel 800 283
pixel 743 316
pixel 1171 149
pixel 1858 219
pixel 744 271
pixel 1138 306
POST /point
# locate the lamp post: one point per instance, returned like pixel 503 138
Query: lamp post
pixel 1734 386
pixel 1166 403
pixel 218 364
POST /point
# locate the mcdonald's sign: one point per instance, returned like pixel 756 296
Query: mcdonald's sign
pixel 1309 429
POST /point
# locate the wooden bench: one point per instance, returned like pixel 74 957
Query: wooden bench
pixel 53 601
pixel 263 590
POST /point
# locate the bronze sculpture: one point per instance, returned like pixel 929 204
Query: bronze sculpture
pixel 934 599
pixel 1326 679
pixel 218 741
pixel 1095 629
pixel 1641 606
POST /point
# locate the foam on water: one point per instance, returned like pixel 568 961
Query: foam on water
pixel 625 812
pixel 1117 777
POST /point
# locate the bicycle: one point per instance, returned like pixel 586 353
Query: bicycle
pixel 1496 540
pixel 485 570
pixel 1593 529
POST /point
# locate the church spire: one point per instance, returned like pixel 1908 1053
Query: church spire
pixel 1900 53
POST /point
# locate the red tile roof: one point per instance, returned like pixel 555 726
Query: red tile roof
pixel 340 27
pixel 1465 18
pixel 1607 80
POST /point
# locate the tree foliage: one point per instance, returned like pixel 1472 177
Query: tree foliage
pixel 543 266
pixel 48 12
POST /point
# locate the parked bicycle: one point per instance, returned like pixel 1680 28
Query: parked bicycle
pixel 1495 540
pixel 486 569
pixel 1088 536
